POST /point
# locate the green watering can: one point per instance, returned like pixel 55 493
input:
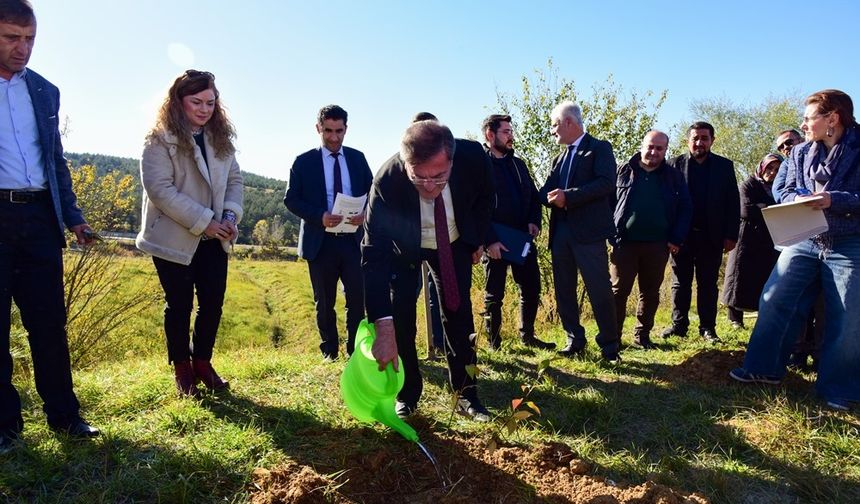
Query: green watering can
pixel 369 393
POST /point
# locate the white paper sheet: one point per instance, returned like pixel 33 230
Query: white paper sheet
pixel 348 206
pixel 790 223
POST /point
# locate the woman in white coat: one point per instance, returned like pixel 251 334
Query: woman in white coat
pixel 192 204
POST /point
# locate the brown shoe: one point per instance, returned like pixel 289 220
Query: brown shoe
pixel 204 371
pixel 186 382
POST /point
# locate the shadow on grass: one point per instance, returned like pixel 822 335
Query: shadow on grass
pixel 677 425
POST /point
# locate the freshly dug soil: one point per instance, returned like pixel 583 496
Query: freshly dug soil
pixel 476 472
pixel 711 368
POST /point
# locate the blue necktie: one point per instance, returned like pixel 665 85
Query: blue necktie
pixel 565 168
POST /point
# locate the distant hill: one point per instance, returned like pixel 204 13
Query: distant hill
pixel 264 196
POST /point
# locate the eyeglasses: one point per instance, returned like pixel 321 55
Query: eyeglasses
pixel 421 181
pixel 815 117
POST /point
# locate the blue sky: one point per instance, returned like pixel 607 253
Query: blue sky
pixel 277 62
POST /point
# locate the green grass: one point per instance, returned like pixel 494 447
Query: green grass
pixel 633 421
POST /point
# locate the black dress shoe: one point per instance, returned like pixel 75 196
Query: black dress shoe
pixel 404 410
pixel 7 444
pixel 673 331
pixel 571 351
pixel 710 335
pixel 473 409
pixel 77 429
pixel 536 343
pixel 611 357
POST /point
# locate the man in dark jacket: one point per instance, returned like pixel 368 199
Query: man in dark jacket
pixel 578 192
pixel 515 206
pixel 714 231
pixel 429 203
pixel 652 218
pixel 316 178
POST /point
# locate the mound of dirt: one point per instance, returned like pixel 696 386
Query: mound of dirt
pixel 510 474
pixel 711 367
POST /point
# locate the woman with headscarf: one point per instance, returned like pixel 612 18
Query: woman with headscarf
pixel 751 261
pixel 191 206
pixel 824 173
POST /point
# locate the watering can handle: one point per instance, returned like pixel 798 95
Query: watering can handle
pixel 391 387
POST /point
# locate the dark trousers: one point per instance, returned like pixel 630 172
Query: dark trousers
pixel 703 258
pixel 458 326
pixel 31 274
pixel 527 278
pixel 207 273
pixel 569 258
pixel 339 258
pixel 435 312
pixel 647 260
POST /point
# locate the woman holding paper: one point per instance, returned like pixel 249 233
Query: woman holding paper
pixel 191 206
pixel 751 261
pixel 827 167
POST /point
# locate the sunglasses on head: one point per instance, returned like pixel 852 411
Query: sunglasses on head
pixel 196 74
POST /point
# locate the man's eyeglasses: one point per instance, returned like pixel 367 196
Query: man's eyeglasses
pixel 421 181
pixel 788 144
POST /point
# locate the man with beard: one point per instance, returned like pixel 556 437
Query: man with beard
pixel 316 178
pixel 652 218
pixel 714 231
pixel 579 192
pixel 516 206
pixel 430 202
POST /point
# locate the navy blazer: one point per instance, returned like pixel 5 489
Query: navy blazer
pixel 46 106
pixel 306 195
pixel 393 224
pixel 588 193
pixel 724 201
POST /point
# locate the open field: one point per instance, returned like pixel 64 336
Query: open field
pixel 671 417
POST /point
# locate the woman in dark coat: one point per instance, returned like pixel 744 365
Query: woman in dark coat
pixel 751 262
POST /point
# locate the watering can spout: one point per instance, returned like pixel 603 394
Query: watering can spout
pixel 369 394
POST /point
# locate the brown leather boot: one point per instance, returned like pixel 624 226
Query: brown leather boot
pixel 186 382
pixel 206 373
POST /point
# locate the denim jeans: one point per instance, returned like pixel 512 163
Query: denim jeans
pixel 790 291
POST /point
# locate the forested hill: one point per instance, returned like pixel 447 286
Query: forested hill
pixel 264 196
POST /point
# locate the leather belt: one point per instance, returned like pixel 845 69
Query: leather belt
pixel 23 196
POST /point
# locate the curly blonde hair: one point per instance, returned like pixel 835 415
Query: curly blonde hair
pixel 171 116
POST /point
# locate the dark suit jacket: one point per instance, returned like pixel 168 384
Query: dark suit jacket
pixel 306 195
pixel 588 196
pixel 393 225
pixel 46 105
pixel 724 203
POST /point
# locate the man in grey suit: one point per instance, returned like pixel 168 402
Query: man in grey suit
pixel 578 192
pixel 36 199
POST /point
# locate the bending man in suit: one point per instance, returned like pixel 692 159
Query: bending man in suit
pixel 430 202
pixel 317 176
pixel 713 232
pixel 578 192
pixel 36 200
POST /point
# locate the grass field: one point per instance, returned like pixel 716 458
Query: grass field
pixel 670 416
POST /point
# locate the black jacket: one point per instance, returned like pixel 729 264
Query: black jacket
pixel 723 204
pixel 588 193
pixel 393 224
pixel 676 197
pixel 504 212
